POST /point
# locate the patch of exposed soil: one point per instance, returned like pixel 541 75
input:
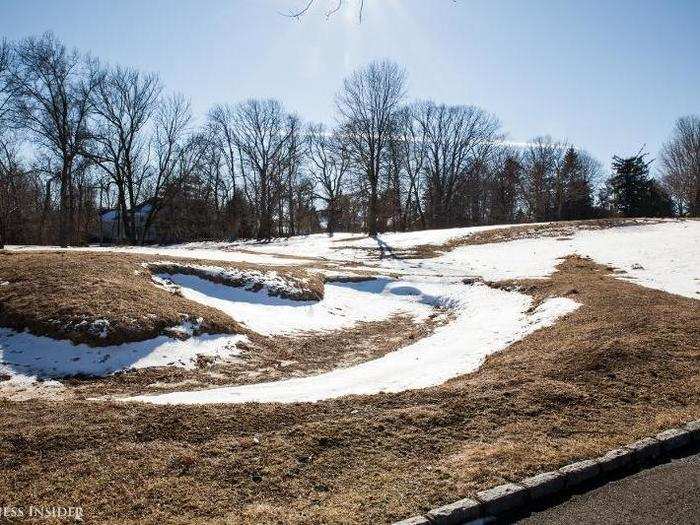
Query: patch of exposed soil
pixel 623 366
pixel 109 298
pixel 271 254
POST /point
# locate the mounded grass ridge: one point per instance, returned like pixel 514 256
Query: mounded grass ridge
pixel 104 299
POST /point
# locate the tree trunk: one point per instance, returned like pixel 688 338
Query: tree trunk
pixel 331 217
pixel 64 212
pixel 45 212
pixel 290 204
pixel 372 209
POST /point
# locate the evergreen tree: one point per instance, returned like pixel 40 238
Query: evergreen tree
pixel 633 192
pixel 577 190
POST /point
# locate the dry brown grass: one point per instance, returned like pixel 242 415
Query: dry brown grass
pixel 60 294
pixel 623 366
pixel 563 229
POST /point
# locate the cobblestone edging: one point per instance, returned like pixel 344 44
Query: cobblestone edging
pixel 511 497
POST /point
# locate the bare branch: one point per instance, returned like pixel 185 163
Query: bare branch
pixel 300 13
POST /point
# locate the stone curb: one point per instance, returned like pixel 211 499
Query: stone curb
pixel 510 497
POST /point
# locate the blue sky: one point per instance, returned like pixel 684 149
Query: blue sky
pixel 608 75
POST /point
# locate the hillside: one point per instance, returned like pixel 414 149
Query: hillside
pixel 339 379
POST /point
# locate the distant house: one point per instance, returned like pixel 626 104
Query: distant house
pixel 112 225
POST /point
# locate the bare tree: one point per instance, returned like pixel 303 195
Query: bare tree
pixel 329 164
pixel 458 138
pixel 10 172
pixel 680 165
pixel 293 158
pixel 333 7
pixel 7 157
pixel 367 104
pixel 541 184
pixel 124 103
pixel 262 135
pixel 20 194
pixel 222 123
pixel 6 57
pixel 504 184
pixel 51 89
pixel 410 147
pixel 170 146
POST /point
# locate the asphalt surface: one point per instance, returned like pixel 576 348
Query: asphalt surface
pixel 665 494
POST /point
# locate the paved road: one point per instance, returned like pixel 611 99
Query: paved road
pixel 668 493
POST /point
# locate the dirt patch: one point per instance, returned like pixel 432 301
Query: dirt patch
pixel 379 253
pixel 350 238
pixel 623 366
pixel 109 298
pixel 271 254
pixel 355 278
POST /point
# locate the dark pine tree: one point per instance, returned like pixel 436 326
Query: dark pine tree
pixel 577 200
pixel 633 192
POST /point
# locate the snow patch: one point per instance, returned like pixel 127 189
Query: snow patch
pixel 166 284
pixel 662 256
pixel 270 282
pixel 27 355
pixel 343 305
pixel 186 329
pixel 99 327
pixel 452 350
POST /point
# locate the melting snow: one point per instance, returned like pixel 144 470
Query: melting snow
pixel 271 282
pixel 343 305
pixel 452 350
pixel 24 354
pixel 663 256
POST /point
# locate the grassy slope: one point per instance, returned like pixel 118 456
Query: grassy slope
pixel 623 366
pixel 51 293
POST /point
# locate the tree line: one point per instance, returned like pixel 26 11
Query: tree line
pixel 78 137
